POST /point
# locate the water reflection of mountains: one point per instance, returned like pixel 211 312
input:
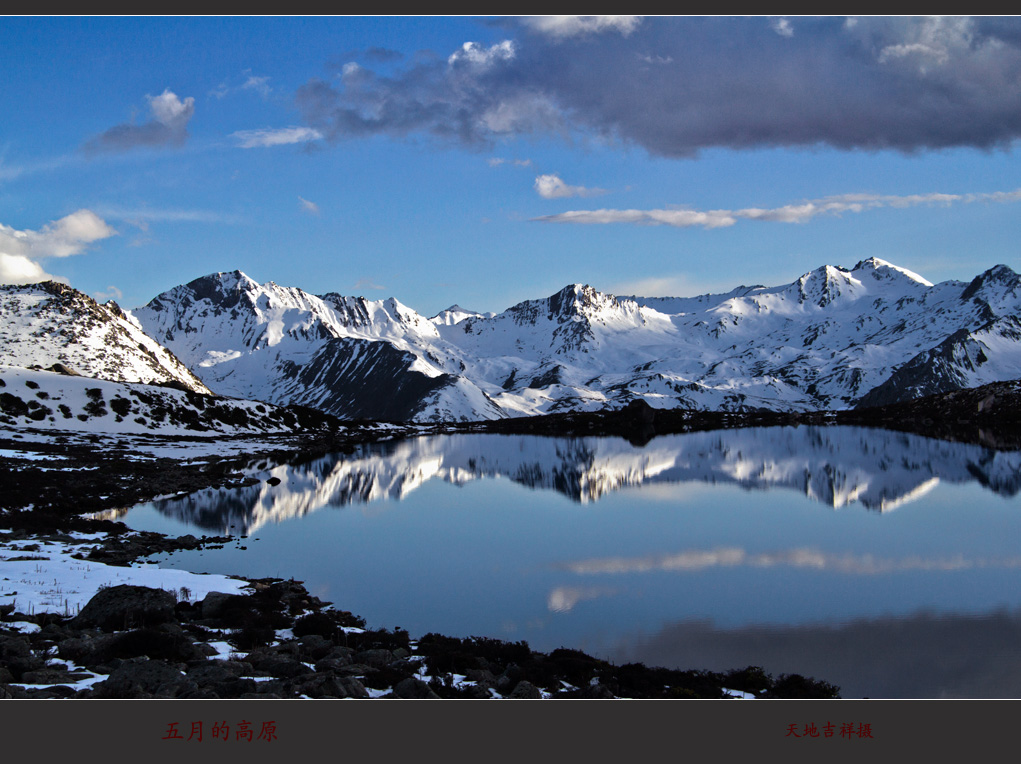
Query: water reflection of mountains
pixel 836 466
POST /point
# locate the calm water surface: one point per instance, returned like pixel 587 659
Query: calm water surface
pixel 885 563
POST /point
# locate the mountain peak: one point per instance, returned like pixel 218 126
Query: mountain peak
pixel 226 281
pixel 574 299
pixel 1000 275
pixel 223 289
pixel 882 269
pixel 454 315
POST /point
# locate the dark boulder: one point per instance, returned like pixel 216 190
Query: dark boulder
pixel 414 689
pixel 126 607
pixel 525 690
pixel 140 678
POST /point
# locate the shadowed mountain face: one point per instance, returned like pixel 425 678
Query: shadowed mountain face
pixel 836 466
pixel 832 338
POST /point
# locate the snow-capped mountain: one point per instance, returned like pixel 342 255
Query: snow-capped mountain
pixel 49 323
pixel 829 340
pixel 69 363
pixel 346 356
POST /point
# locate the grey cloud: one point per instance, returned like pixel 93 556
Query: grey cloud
pixel 167 127
pixel 463 98
pixel 382 55
pixel 906 84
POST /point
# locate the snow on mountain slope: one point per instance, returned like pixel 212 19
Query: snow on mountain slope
pixel 823 341
pixel 965 359
pixel 50 323
pixel 348 356
pixel 48 400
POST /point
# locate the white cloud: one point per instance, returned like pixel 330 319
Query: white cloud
pixel 791 213
pixel 479 57
pixel 169 110
pixel 18 269
pixel 310 207
pixel 657 60
pixel 679 218
pixel 141 217
pixel 221 91
pixel 250 139
pixel 259 85
pixel 782 27
pixel 497 161
pixel 574 26
pixel 931 41
pixel 13 172
pixel 21 250
pixel 367 284
pixel 552 187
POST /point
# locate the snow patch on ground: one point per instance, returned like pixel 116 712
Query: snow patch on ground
pixel 54 581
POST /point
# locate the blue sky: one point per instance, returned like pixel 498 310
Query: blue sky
pixel 485 161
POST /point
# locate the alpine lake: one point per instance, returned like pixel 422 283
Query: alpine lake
pixel 886 563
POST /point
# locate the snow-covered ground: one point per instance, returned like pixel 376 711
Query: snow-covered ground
pixel 50 401
pixel 43 576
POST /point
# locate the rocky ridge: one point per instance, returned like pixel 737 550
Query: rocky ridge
pixel 51 325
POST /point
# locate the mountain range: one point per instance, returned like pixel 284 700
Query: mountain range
pixel 835 338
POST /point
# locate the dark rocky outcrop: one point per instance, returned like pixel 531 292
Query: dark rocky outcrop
pixel 125 607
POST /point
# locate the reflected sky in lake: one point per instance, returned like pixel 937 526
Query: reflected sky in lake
pixel 600 545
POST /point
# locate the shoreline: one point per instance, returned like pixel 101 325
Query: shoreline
pixel 135 631
pixel 263 646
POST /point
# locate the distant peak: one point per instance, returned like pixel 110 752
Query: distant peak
pixel 572 298
pixel 882 267
pixel 574 291
pixel 222 277
pixel 457 309
pixel 221 286
pixel 871 262
pixel 998 274
pixel 1002 271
